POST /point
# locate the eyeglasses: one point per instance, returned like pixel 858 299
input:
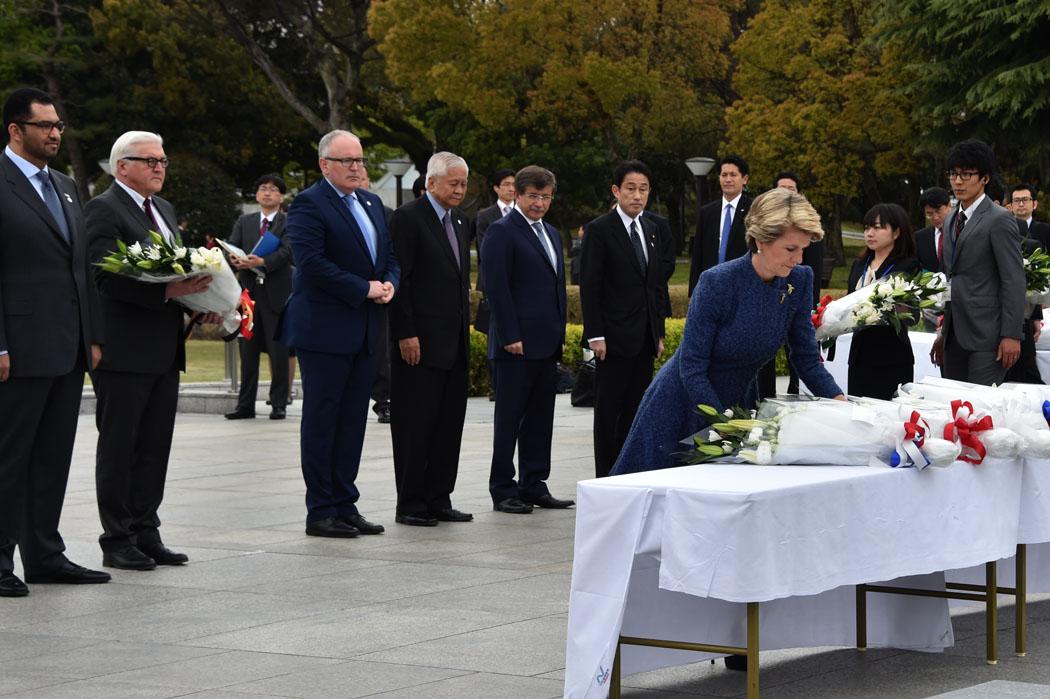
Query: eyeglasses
pixel 348 162
pixel 961 176
pixel 150 162
pixel 1022 200
pixel 45 125
pixel 533 197
pixel 268 188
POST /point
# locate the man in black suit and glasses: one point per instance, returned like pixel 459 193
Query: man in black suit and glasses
pixel 622 292
pixel 49 335
pixel 936 204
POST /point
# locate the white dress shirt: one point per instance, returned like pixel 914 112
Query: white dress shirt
pixel 140 201
pixel 732 214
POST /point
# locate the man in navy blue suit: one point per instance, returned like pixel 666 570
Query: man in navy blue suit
pixel 524 274
pixel 344 271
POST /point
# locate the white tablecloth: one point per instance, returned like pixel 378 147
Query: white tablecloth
pixel 666 554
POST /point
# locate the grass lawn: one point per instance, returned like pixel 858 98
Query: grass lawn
pixel 206 361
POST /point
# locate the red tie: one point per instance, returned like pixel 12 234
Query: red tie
pixel 940 247
pixel 148 206
pixel 264 227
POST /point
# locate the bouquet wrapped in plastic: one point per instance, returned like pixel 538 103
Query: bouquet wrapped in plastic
pixel 161 262
pixel 1037 277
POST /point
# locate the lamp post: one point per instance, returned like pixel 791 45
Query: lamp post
pixel 397 168
pixel 699 166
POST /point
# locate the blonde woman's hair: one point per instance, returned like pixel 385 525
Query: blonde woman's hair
pixel 774 211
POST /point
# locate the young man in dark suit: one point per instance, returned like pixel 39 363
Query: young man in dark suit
pixel 622 291
pixel 936 204
pixel 344 270
pixel 137 382
pixel 429 320
pixel 268 280
pixel 525 282
pixel 49 335
pixel 1023 203
pixel 720 224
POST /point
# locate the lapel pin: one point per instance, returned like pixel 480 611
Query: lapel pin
pixel 368 203
pixel 68 198
pixel 459 221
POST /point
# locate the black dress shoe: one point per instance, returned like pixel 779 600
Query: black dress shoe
pixel 11 586
pixel 736 662
pixel 550 502
pixel 363 525
pixel 513 506
pixel 240 415
pixel 69 573
pixel 416 520
pixel 383 414
pixel 165 556
pixel 128 558
pixel 451 515
pixel 278 414
pixel 332 527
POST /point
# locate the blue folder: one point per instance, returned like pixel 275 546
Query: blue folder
pixel 266 245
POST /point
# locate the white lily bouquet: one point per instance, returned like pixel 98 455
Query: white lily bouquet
pixel 893 300
pixel 1037 277
pixel 160 262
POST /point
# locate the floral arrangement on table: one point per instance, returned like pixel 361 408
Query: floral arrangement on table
pixel 161 261
pixel 1037 277
pixel 893 300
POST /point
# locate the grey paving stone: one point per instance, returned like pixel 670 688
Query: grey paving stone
pixel 348 679
pixel 219 670
pixel 96 689
pixel 482 685
pixel 105 658
pixel 998 688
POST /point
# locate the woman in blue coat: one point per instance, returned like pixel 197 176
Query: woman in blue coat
pixel 741 312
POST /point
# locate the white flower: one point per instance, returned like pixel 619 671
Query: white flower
pixel 726 448
pixel 180 253
pixel 755 435
pixel 153 253
pixel 764 453
pixel 197 259
pixel 713 436
pixel 205 260
pixel 883 290
pixel 135 250
pixel 728 412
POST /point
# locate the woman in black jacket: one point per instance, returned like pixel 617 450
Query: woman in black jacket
pixel 880 358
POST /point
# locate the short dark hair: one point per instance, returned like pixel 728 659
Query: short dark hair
pixel 274 179
pixel 627 167
pixel 995 189
pixel 973 154
pixel 896 218
pixel 786 175
pixel 500 175
pixel 534 176
pixel 735 160
pixel 1026 187
pixel 418 186
pixel 934 197
pixel 19 104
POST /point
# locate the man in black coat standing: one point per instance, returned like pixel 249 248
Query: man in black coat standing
pixel 623 288
pixel 49 335
pixel 268 279
pixel 720 224
pixel 429 319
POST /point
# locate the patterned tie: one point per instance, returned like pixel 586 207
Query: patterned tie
pixel 724 242
pixel 147 206
pixel 544 243
pixel 363 222
pixel 960 222
pixel 453 241
pixel 264 227
pixel 53 204
pixel 636 243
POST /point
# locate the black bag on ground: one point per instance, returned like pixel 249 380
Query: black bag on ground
pixel 583 389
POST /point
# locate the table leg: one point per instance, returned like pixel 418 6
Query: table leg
pixel 862 617
pixel 1021 600
pixel 752 650
pixel 991 615
pixel 614 683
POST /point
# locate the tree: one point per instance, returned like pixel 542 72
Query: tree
pixel 817 97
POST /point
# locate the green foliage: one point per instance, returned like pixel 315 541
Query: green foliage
pixel 203 195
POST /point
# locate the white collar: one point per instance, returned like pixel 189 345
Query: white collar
pixel 136 197
pixel 973 207
pixel 734 202
pixel 627 220
pixel 28 169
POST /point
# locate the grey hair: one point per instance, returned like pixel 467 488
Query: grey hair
pixel 124 146
pixel 325 144
pixel 440 163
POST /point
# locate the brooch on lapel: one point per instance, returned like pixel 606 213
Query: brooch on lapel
pixel 785 294
pixel 459 221
pixel 368 203
pixel 68 198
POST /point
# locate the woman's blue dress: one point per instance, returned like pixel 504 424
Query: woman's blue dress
pixel 736 323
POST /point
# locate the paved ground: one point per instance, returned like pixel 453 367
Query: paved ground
pixel 459 610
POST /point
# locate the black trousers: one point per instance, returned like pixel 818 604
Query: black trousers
pixel 37 432
pixel 1026 370
pixel 381 383
pixel 524 418
pixel 263 342
pixel 619 385
pixel 135 415
pixel 427 409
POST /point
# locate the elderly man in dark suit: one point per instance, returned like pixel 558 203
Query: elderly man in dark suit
pixel 623 286
pixel 344 270
pixel 429 321
pixel 720 224
pixel 49 335
pixel 981 335
pixel 268 280
pixel 525 282
pixel 137 381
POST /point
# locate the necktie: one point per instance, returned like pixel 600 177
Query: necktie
pixel 636 243
pixel 724 242
pixel 940 246
pixel 264 227
pixel 147 206
pixel 53 204
pixel 453 241
pixel 538 227
pixel 960 222
pixel 363 222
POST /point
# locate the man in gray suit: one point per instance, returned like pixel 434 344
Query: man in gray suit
pixel 981 335
pixel 49 335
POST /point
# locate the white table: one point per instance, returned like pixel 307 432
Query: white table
pixel 672 554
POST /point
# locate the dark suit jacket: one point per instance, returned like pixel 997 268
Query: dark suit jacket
pixel 433 300
pixel 485 218
pixel 1040 232
pixel 926 242
pixel 881 345
pixel 48 305
pixel 329 310
pixel 813 257
pixel 143 331
pixel 705 243
pixel 619 302
pixel 668 245
pixel 526 294
pixel 274 292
